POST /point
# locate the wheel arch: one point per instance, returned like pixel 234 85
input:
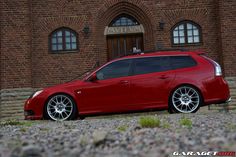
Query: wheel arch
pixel 58 93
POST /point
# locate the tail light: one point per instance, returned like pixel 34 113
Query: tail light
pixel 218 70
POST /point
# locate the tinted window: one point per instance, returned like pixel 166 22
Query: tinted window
pixel 178 62
pixel 115 70
pixel 151 65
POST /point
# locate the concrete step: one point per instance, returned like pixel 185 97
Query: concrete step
pixel 12 116
pixel 12 102
pixel 17 107
pixel 18 97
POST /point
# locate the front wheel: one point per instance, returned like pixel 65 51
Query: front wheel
pixel 185 99
pixel 61 107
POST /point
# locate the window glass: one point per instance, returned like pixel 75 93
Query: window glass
pixel 59 33
pixel 59 47
pixel 196 32
pixel 54 40
pixel 182 62
pixel 59 40
pixel 115 70
pixel 63 39
pixel 176 40
pixel 181 33
pixel 124 20
pixel 151 65
pixel 181 27
pixel 196 39
pixel 74 46
pixel 182 40
pixel 190 39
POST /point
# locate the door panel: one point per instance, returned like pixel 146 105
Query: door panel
pixel 111 95
pixel 151 90
pixel 151 84
pixel 111 91
pixel 123 45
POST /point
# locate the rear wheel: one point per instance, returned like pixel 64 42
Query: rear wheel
pixel 61 107
pixel 185 99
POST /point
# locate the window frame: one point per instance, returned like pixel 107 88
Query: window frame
pixel 185 22
pixel 64 50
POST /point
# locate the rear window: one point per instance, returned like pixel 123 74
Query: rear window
pixel 179 62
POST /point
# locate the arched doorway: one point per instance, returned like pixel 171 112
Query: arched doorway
pixel 124 36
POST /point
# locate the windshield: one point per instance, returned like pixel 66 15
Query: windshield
pixel 85 74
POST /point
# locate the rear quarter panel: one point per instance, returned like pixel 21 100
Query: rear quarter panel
pixel 198 76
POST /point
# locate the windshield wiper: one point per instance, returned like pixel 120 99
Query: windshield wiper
pixel 94 66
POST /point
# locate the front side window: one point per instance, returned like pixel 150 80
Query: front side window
pixel 115 70
pixel 151 65
pixel 63 39
pixel 179 62
pixel 185 33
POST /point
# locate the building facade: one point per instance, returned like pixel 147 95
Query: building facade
pixel 44 43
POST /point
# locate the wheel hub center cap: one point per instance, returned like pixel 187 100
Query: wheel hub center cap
pixel 185 99
pixel 60 107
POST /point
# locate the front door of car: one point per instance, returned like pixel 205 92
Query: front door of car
pixel 110 92
pixel 151 82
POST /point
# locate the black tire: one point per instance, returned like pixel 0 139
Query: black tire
pixel 51 106
pixel 188 102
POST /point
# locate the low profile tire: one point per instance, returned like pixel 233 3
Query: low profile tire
pixel 185 99
pixel 60 107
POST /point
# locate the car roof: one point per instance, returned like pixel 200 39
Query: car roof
pixel 160 53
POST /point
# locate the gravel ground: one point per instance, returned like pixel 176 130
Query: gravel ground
pixel 119 136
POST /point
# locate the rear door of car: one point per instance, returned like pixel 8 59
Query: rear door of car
pixel 150 83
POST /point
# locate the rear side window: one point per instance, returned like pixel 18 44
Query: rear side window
pixel 115 70
pixel 151 65
pixel 178 62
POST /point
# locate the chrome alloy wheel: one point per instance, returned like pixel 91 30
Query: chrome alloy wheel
pixel 60 107
pixel 186 99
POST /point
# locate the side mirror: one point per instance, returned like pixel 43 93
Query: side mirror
pixel 93 78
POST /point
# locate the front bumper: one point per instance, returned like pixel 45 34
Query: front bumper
pixel 33 109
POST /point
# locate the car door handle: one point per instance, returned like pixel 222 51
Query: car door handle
pixel 163 77
pixel 125 82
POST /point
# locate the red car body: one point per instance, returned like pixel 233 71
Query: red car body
pixel 135 92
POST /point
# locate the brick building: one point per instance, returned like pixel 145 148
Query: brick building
pixel 44 43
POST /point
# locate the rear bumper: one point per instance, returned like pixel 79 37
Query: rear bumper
pixel 229 100
pixel 216 91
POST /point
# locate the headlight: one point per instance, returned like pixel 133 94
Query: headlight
pixel 36 93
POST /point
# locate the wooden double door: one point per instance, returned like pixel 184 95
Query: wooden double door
pixel 121 45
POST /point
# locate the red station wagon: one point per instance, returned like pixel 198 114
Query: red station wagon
pixel 176 81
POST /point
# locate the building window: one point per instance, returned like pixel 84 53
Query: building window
pixel 63 39
pixel 124 20
pixel 186 33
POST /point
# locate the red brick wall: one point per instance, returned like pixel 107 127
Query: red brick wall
pixel 22 21
pixel 15 44
pixel 227 16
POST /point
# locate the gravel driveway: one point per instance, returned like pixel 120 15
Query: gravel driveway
pixel 119 136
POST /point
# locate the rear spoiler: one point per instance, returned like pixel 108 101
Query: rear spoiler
pixel 200 53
